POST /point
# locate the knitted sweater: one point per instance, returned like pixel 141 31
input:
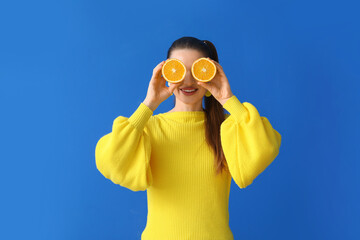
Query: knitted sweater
pixel 167 155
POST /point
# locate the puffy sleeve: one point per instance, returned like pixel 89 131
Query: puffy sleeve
pixel 123 155
pixel 248 140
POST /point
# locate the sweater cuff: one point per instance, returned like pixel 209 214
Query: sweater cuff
pixel 236 108
pixel 140 117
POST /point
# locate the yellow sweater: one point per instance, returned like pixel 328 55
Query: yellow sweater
pixel 167 155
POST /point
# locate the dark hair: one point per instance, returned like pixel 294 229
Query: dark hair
pixel 213 109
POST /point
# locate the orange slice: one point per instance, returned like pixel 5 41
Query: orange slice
pixel 173 70
pixel 203 70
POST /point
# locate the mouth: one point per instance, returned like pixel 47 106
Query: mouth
pixel 188 91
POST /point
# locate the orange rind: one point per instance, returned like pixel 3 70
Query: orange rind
pixel 173 70
pixel 203 70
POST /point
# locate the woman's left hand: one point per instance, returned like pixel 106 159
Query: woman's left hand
pixel 219 86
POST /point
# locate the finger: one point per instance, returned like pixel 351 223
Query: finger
pixel 218 66
pixel 172 87
pixel 158 67
pixel 157 72
pixel 169 83
pixel 215 62
pixel 161 63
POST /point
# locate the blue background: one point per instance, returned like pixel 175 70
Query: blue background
pixel 69 68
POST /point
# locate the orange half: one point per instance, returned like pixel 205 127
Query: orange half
pixel 173 70
pixel 203 70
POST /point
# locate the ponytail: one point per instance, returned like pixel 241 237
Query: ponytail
pixel 214 117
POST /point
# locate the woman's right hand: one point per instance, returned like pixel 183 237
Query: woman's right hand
pixel 157 90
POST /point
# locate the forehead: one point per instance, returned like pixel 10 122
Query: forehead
pixel 186 55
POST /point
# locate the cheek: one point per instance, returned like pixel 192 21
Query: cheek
pixel 202 90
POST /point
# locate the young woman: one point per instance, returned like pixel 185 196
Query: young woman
pixel 185 158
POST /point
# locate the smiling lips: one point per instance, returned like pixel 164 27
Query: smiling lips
pixel 188 89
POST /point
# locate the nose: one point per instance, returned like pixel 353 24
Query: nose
pixel 189 80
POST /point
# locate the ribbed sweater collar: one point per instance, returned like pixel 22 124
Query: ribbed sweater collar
pixel 184 116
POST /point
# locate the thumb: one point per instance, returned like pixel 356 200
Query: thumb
pixel 173 86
